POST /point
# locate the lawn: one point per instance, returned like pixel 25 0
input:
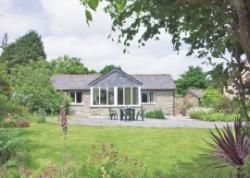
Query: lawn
pixel 175 152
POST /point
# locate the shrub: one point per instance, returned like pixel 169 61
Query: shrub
pixel 156 114
pixel 214 99
pixel 8 121
pixel 6 106
pixel 22 123
pixel 9 143
pixel 41 116
pixel 212 116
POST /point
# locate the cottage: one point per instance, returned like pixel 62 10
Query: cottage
pixel 93 94
pixel 193 97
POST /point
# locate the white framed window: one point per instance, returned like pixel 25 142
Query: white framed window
pixel 115 96
pixel 148 97
pixel 102 96
pixel 76 97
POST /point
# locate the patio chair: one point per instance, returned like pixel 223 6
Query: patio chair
pixel 121 114
pixel 112 114
pixel 129 114
pixel 140 113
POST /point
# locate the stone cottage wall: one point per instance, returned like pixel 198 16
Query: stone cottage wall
pixel 179 106
pixel 163 100
pixel 191 100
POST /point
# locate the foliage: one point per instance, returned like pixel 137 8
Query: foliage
pixel 106 69
pixel 9 143
pixel 212 116
pixel 214 99
pixel 22 123
pixel 156 114
pixel 4 79
pixel 6 106
pixel 230 147
pixel 198 24
pixel 41 116
pixel 25 49
pixel 68 65
pixel 208 29
pixel 193 78
pixel 106 161
pixel 183 149
pixel 32 88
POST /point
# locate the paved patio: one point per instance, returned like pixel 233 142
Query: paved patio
pixel 154 123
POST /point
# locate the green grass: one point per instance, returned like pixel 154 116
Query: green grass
pixel 175 152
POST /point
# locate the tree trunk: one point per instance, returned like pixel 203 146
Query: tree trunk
pixel 244 26
pixel 240 84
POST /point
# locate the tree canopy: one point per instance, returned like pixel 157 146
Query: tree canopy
pixel 31 87
pixel 26 48
pixel 68 65
pixel 208 27
pixel 107 69
pixel 193 78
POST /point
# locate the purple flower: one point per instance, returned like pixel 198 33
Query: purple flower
pixel 64 123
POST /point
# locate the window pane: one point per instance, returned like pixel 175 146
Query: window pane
pixel 120 96
pixel 151 97
pixel 96 96
pixel 144 97
pixel 78 97
pixel 103 96
pixel 72 96
pixel 127 96
pixel 135 95
pixel 111 96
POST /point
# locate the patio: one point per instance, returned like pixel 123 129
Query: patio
pixel 154 123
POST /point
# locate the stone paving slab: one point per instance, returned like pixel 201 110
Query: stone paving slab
pixel 154 123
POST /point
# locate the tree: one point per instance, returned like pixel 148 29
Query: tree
pixel 206 26
pixel 215 99
pixel 210 28
pixel 26 48
pixel 4 41
pixel 68 65
pixel 4 79
pixel 193 78
pixel 107 69
pixel 31 87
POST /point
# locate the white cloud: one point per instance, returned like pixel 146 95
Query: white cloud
pixel 64 31
pixel 67 18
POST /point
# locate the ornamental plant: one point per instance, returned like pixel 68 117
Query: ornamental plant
pixel 230 147
pixel 64 126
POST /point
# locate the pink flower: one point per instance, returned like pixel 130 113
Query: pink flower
pixel 64 123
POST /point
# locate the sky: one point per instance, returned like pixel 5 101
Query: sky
pixel 62 26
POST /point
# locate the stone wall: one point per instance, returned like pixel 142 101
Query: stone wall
pixel 179 106
pixel 191 100
pixel 163 100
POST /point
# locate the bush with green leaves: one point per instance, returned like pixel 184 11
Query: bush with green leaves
pixel 10 142
pixel 156 114
pixel 212 116
pixel 214 99
pixel 32 88
pixel 6 106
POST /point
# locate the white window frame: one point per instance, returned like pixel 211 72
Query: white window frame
pixel 148 97
pixel 74 102
pixel 115 97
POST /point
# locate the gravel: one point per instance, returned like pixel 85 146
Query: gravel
pixel 154 123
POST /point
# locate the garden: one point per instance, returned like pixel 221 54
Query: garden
pixel 120 152
pixel 214 31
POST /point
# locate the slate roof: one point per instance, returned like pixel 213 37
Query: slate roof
pixel 116 77
pixel 81 82
pixel 196 92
